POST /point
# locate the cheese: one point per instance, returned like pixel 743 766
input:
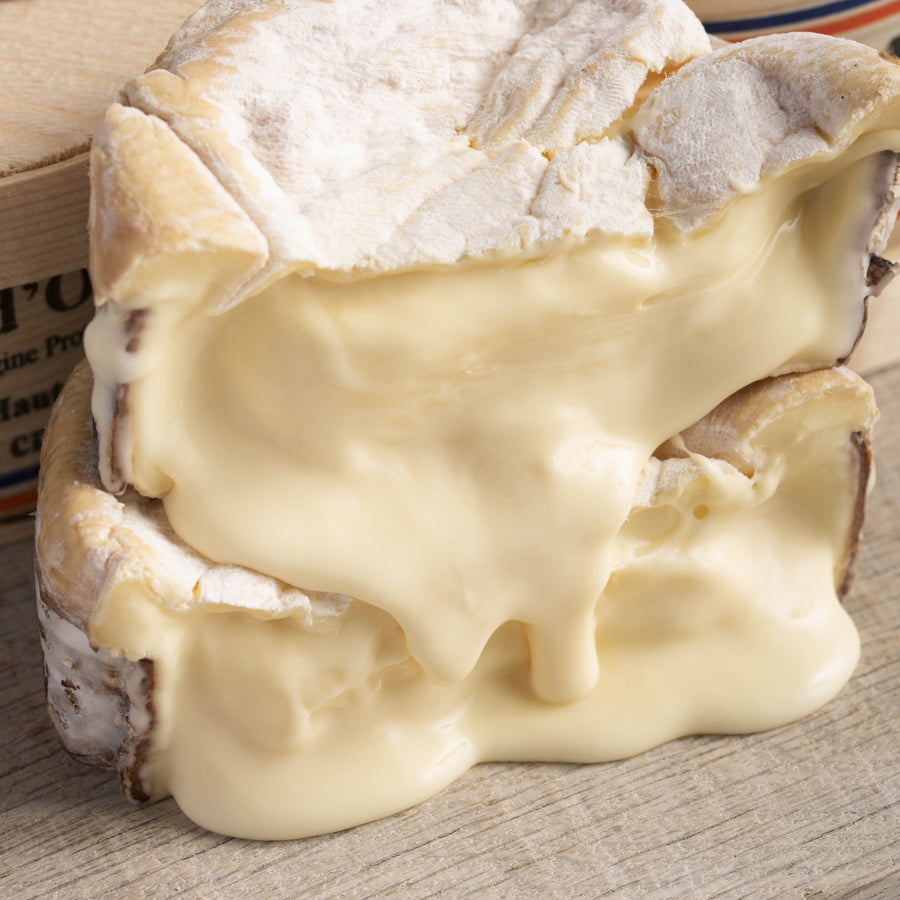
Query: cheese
pixel 420 442
pixel 272 713
pixel 411 331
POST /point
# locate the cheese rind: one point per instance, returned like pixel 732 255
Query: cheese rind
pixel 751 111
pixel 345 159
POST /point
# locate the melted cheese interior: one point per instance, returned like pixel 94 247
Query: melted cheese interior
pixel 460 447
pixel 461 450
pixel 277 727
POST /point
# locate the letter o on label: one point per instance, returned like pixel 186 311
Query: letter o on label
pixel 54 293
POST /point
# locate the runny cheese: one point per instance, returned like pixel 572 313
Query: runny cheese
pixel 468 453
pixel 313 717
pixel 461 447
pixel 431 328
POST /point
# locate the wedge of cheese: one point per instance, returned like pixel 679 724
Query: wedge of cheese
pixel 398 302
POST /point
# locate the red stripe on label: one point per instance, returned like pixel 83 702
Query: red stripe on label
pixel 18 503
pixel 834 27
pixel 851 23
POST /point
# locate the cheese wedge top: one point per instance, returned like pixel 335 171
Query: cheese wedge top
pixel 398 299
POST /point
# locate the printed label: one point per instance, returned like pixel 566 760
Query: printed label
pixel 41 334
pixel 874 22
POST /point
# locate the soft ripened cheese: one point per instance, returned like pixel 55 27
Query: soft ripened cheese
pixel 277 714
pixel 402 310
pixel 460 447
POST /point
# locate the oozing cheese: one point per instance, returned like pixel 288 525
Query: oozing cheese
pixel 400 309
pixel 309 720
pixel 460 447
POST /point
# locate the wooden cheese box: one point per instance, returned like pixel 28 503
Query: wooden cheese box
pixel 873 22
pixel 61 63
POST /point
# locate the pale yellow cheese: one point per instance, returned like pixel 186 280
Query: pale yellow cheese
pixel 311 718
pixel 408 330
pixel 459 447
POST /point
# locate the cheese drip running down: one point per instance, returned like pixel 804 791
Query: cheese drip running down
pixel 461 447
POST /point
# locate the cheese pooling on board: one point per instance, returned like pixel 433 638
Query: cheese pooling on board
pixel 398 301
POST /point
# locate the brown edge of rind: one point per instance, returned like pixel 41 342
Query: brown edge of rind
pixel 861 442
pixel 135 324
pixel 133 750
pixel 879 272
pixel 130 775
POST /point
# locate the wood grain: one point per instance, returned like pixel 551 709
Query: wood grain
pixel 808 811
pixel 61 63
pixel 45 212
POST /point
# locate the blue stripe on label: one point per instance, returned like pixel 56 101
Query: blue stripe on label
pixel 19 476
pixel 778 20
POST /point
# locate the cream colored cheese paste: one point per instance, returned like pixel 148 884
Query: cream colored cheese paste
pixel 315 719
pixel 468 451
pixel 460 447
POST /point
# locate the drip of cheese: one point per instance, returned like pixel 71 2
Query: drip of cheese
pixel 460 447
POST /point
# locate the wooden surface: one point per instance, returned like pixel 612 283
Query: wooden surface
pixel 807 811
pixel 61 63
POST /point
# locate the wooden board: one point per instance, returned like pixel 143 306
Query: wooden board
pixel 808 811
pixel 61 63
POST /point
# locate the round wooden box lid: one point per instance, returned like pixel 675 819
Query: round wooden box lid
pixel 61 63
